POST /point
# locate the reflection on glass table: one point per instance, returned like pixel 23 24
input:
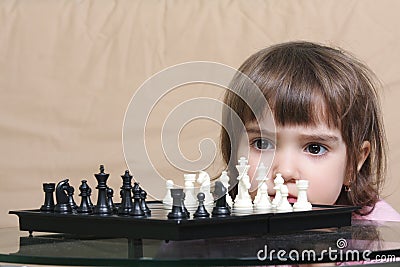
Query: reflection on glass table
pixel 363 241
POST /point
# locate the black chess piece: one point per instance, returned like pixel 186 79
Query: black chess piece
pixel 48 189
pixel 137 209
pixel 221 208
pixel 126 197
pixel 201 211
pixel 184 207
pixel 71 201
pixel 143 204
pixel 62 199
pixel 110 194
pixel 102 207
pixel 89 194
pixel 84 207
pixel 177 212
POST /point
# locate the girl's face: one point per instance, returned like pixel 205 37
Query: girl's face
pixel 313 153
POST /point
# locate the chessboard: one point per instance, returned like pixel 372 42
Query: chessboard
pixel 158 226
pixel 136 218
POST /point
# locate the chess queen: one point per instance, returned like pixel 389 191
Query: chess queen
pixel 323 125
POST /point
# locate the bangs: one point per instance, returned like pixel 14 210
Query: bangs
pixel 306 106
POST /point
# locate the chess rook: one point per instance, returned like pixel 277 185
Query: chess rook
pixel 177 198
pixel 48 204
pixel 302 203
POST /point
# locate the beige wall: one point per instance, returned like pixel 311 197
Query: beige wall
pixel 69 68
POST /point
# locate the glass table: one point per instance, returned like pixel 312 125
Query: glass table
pixel 378 242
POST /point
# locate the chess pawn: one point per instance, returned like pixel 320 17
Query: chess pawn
pixel 190 200
pixel 243 199
pixel 264 203
pixel 302 203
pixel 224 178
pixel 284 206
pixel 48 189
pixel 71 201
pixel 102 207
pixel 137 209
pixel 167 201
pixel 261 177
pixel 177 212
pixel 143 205
pixel 84 207
pixel 205 187
pixel 110 202
pixel 201 211
pixel 278 181
pixel 126 197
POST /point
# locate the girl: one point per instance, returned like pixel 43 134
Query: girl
pixel 325 126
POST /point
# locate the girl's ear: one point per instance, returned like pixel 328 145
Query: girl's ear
pixel 364 152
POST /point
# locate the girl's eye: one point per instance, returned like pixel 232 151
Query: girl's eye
pixel 316 149
pixel 262 144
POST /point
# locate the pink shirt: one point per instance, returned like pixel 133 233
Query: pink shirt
pixel 382 212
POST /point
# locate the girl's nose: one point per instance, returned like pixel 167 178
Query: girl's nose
pixel 287 165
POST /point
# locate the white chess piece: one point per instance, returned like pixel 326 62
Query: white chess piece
pixel 205 187
pixel 190 195
pixel 284 206
pixel 243 199
pixel 302 203
pixel 261 177
pixel 264 203
pixel 278 182
pixel 167 201
pixel 224 179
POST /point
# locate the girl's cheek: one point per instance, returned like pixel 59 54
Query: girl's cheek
pixel 321 196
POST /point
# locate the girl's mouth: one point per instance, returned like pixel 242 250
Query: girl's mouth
pixel 292 199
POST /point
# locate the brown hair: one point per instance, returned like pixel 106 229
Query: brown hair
pixel 294 77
